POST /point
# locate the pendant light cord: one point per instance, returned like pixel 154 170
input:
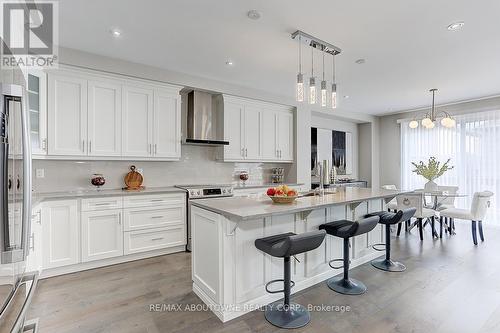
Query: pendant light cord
pixel 323 65
pixel 300 54
pixel 333 68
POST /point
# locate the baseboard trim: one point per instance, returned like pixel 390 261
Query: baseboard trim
pixel 108 262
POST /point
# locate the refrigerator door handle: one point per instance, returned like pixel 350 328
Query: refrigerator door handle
pixel 33 278
pixel 26 214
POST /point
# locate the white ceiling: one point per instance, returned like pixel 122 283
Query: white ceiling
pixel 407 47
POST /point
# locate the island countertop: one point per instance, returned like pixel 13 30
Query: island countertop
pixel 247 208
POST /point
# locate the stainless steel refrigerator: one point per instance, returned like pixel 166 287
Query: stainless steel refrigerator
pixel 16 285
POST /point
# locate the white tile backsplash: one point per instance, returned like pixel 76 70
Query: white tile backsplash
pixel 197 166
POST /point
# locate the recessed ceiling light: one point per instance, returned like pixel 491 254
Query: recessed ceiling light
pixel 229 63
pixel 115 32
pixel 254 14
pixel 360 61
pixel 456 26
pixel 346 96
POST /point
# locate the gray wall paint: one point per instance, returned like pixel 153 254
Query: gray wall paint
pixel 365 152
pixel 390 134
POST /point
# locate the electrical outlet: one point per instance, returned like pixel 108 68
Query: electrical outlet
pixel 40 173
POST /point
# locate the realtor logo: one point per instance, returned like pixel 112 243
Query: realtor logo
pixel 29 33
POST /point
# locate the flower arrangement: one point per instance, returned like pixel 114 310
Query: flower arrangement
pixel 432 170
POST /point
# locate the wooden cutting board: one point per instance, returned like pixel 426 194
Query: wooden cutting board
pixel 133 180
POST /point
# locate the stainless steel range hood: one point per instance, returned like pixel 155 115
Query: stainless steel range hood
pixel 204 126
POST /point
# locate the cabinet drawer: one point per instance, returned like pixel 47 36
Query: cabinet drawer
pixel 153 239
pixel 154 200
pixel 102 203
pixel 146 217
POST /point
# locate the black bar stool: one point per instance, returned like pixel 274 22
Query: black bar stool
pixel 285 314
pixel 346 229
pixel 387 218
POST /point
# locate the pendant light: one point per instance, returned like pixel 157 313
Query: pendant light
pixel 312 81
pixel 430 119
pixel 323 85
pixel 300 76
pixel 334 85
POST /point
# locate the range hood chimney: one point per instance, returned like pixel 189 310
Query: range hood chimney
pixel 204 127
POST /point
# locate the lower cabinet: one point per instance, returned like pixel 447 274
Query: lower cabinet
pixel 86 230
pixel 102 234
pixel 60 233
pixel 152 239
pixel 34 261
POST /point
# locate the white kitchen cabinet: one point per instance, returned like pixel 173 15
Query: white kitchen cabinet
pixel 34 261
pixel 67 114
pixel 102 234
pixel 285 135
pixel 154 239
pixel 166 124
pixel 104 118
pixel 234 131
pixel 252 130
pixel 257 131
pixel 37 104
pixel 60 233
pixel 137 113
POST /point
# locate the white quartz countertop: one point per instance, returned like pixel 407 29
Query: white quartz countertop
pixel 248 208
pixel 89 193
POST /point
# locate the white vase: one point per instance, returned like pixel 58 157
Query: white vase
pixel 430 186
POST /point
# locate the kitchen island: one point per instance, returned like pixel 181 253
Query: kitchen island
pixel 229 273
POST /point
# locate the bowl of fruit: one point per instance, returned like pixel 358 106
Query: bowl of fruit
pixel 282 194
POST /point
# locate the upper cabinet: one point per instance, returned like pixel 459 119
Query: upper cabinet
pixel 37 101
pixel 137 121
pixel 257 131
pixel 108 117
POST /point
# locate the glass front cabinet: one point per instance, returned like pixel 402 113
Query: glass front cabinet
pixel 37 104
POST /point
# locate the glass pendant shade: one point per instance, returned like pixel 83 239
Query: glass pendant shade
pixel 426 121
pixel 413 124
pixel 300 87
pixel 431 125
pixel 323 93
pixel 312 90
pixel 453 122
pixel 334 96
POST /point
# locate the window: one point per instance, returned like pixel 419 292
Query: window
pixel 474 149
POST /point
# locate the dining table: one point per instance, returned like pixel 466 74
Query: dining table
pixel 437 198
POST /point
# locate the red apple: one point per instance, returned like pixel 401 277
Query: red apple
pixel 271 192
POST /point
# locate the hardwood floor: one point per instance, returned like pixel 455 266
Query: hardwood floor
pixel 450 286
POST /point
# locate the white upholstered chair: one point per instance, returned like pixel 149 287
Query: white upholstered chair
pixel 391 205
pixel 416 200
pixel 476 213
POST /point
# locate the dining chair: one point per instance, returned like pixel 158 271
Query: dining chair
pixel 391 205
pixel 476 213
pixel 416 200
pixel 446 202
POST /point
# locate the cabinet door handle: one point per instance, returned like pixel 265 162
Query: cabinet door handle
pixel 32 247
pixel 156 217
pixel 102 203
pixel 120 219
pixel 90 146
pixel 44 144
pixel 83 145
pixel 246 152
pixel 156 239
pixel 155 149
pixel 243 152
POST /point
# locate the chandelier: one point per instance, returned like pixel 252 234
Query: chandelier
pixel 430 119
pixel 325 48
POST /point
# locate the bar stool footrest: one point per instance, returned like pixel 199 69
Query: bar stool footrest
pixel 379 247
pixel 292 284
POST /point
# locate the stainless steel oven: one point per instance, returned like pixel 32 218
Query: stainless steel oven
pixel 195 192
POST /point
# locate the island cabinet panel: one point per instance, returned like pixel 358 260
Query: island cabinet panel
pixel 206 239
pixel 377 235
pixel 315 261
pixel 250 262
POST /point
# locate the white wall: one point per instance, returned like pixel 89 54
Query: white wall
pixel 390 134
